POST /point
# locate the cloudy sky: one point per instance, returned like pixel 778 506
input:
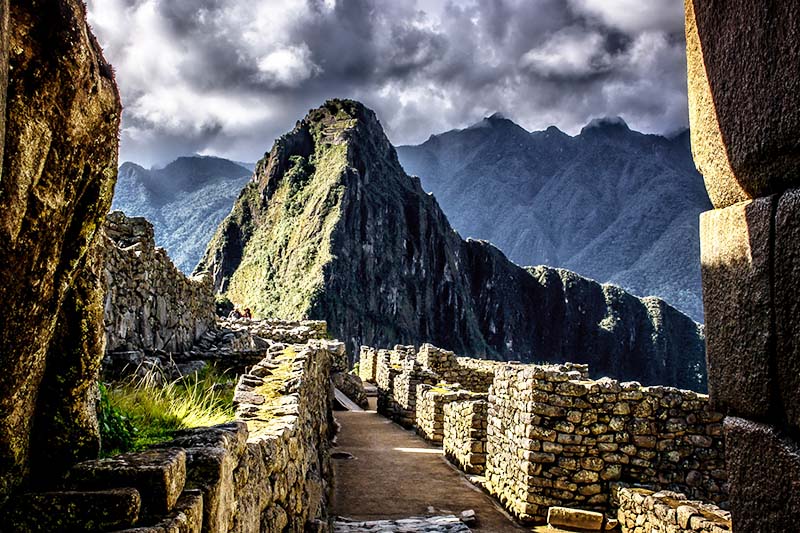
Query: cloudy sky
pixel 225 77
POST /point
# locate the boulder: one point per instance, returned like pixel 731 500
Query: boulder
pixel 60 143
pixel 744 77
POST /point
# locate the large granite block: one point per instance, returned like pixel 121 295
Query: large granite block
pixel 735 257
pixel 158 475
pixel 764 473
pixel 743 64
pixel 787 305
pixel 64 511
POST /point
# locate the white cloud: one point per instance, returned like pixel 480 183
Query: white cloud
pixel 288 66
pixel 635 15
pixel 569 52
pixel 227 77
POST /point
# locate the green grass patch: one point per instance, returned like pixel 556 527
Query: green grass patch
pixel 143 411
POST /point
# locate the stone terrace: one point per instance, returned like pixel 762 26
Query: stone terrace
pixel 547 435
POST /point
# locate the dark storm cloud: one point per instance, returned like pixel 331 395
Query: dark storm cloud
pixel 226 77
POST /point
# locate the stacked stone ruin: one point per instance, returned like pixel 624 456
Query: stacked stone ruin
pixel 548 435
pixel 149 303
pixel 268 471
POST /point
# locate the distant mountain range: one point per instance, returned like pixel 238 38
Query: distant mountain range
pixel 185 201
pixel 612 204
pixel 332 228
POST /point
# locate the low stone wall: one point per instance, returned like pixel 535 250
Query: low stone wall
pixel 557 439
pixel 405 391
pixel 471 374
pixel 368 364
pixel 149 303
pixel 645 511
pixel 269 471
pixel 385 375
pixel 431 402
pixel 465 434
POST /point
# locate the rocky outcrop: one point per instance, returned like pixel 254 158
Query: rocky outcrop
pixel 609 203
pixel 334 229
pixel 149 304
pixel 61 112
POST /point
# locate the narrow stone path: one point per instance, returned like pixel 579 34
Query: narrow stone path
pixel 393 474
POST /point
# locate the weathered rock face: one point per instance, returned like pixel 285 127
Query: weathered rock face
pixel 335 230
pixel 61 114
pixel 611 204
pixel 149 304
pixel 744 77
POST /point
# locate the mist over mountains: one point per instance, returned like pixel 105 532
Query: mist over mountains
pixel 185 201
pixel 611 204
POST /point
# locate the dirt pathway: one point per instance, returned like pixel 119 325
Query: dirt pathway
pixel 395 474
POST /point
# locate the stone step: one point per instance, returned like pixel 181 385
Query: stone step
pixel 158 475
pixel 89 511
pixel 185 517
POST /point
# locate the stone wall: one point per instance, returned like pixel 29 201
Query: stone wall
pixel 550 436
pixel 269 471
pixel 405 391
pixel 464 441
pixel 431 402
pixel 557 439
pixel 645 511
pixel 149 303
pixel 743 63
pixel 368 364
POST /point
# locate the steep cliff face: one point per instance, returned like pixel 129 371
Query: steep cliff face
pixel 335 230
pixel 62 115
pixel 610 203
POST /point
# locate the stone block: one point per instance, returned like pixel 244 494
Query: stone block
pixel 87 511
pixel 787 305
pixel 743 78
pixel 764 473
pixel 158 475
pixel 574 518
pixel 735 259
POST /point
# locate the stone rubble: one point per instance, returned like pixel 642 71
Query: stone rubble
pixel 645 511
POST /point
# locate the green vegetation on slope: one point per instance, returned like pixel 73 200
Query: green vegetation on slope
pixel 143 411
pixel 283 263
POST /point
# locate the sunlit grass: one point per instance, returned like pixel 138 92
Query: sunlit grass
pixel 156 409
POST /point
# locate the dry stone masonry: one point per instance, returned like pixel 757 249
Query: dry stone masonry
pixel 546 436
pixel 645 511
pixel 269 471
pixel 149 303
pixel 464 440
pixel 556 439
pixel 743 63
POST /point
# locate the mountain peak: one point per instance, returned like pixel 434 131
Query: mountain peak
pixel 497 115
pixel 606 125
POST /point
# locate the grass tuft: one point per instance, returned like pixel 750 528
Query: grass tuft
pixel 153 410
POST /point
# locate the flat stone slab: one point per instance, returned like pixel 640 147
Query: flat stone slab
pixel 186 517
pixel 89 511
pixel 158 475
pixel 430 524
pixel 565 517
